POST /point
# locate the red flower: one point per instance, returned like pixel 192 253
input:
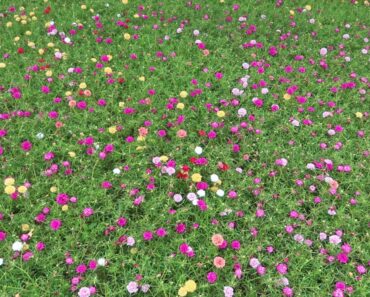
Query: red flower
pixel 192 160
pixel 202 133
pixel 47 10
pixel 20 50
pixel 223 166
pixel 185 168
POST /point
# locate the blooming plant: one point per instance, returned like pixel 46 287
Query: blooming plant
pixel 184 148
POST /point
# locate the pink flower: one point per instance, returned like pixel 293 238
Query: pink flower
pixel 212 277
pixel 148 235
pixel 55 224
pixel 342 258
pixel 26 145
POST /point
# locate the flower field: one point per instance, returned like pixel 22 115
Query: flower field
pixel 184 148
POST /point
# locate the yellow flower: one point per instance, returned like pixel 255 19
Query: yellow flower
pixel 110 57
pixel 2 65
pixel 50 44
pixel 121 104
pixel 82 85
pixel 112 129
pixel 125 1
pixel 25 247
pixel 220 113
pixel 28 33
pixel 182 292
pixel 9 24
pixel 72 154
pixel 133 251
pixel 22 189
pixel 163 158
pixel 53 189
pixel 140 148
pixel 214 189
pixel 9 181
pixel 190 286
pixel 142 78
pixel 65 207
pixel 291 12
pixel 16 38
pixel 94 60
pixel 196 177
pixel 25 227
pixel 183 94
pixel 68 93
pixel 9 190
pixel 41 51
pixel 49 73
pixel 83 6
pixel 126 36
pixel 23 22
pixel 359 115
pixel 136 15
pixel 140 138
pixel 308 7
pixel 287 96
pixel 31 44
pixel 180 105
pixel 108 70
pixel 34 18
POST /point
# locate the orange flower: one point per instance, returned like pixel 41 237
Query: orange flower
pixel 217 239
pixel 219 262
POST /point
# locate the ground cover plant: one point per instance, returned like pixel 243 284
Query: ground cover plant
pixel 184 148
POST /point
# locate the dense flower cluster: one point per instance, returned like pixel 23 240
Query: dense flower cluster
pixel 181 148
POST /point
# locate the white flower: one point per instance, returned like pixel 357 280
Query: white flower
pixel 245 65
pixel 323 51
pixel 130 241
pixel 198 150
pixel 310 166
pixel 179 30
pixel 40 135
pixel 331 132
pixel 242 112
pixel 346 36
pixel 84 292
pixel 214 178
pixel 201 193
pixel 254 263
pixel 264 91
pixel 67 40
pixel 102 262
pixel 195 202
pixel 220 193
pixel 132 287
pixel 177 198
pixel 1 261
pixel 335 239
pixel 295 123
pixel 17 246
pixel 116 171
pixel 191 196
pixel 196 32
pixel 347 59
pixel 263 17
